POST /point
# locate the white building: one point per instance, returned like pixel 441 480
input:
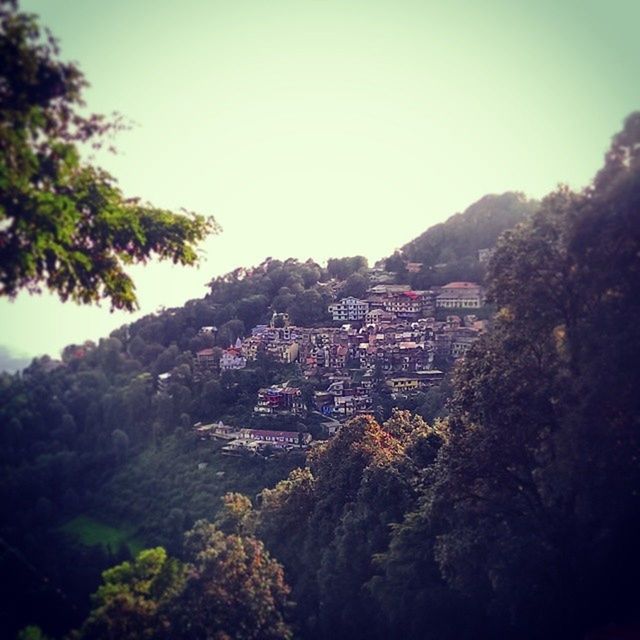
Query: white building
pixel 232 359
pixel 467 295
pixel 349 309
pixel 208 331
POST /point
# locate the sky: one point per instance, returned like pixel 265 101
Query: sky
pixel 326 128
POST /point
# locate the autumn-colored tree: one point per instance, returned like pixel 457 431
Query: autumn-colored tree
pixel 129 602
pixel 237 515
pixel 229 587
pixel 327 522
pixel 233 589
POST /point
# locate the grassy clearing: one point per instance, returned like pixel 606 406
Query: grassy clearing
pixel 90 532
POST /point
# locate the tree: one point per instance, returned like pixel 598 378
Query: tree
pixel 128 603
pixel 31 633
pixel 327 522
pixel 237 515
pixel 64 223
pixel 531 509
pixel 356 286
pixel 233 589
pixel 342 268
pixel 120 442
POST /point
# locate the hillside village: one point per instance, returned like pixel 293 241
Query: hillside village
pixel 297 347
pixel 395 338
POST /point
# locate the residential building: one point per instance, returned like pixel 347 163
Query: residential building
pixel 349 309
pixel 206 361
pixel 407 304
pixel 388 289
pixel 283 351
pixel 467 295
pixel 276 438
pixel 378 316
pixel 163 382
pixel 279 399
pixel 232 359
pixel 403 384
pixel 461 344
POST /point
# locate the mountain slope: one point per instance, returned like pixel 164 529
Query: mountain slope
pixel 463 234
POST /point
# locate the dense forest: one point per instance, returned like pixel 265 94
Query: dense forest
pixel 450 251
pixel 89 440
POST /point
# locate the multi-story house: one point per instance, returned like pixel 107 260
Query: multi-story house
pixel 349 310
pixel 347 406
pixel 410 383
pixel 232 359
pixel 388 289
pixel 460 345
pixel 206 361
pixel 378 316
pixel 337 356
pixel 283 351
pixel 251 347
pixel 276 438
pixel 466 295
pixel 407 304
pixel 279 399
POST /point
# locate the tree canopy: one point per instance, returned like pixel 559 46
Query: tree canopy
pixel 64 223
pixel 228 588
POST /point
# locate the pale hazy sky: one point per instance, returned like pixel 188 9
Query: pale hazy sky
pixel 320 128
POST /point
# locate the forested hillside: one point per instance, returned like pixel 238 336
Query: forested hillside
pixel 517 517
pixel 449 251
pixel 513 516
pixel 89 444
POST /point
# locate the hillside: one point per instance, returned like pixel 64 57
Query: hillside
pixel 449 250
pixel 92 445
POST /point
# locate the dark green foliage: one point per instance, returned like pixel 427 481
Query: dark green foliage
pixel 326 523
pixel 530 514
pixel 228 587
pixel 356 285
pixel 65 224
pixel 32 633
pixel 163 486
pixel 518 517
pixel 252 295
pixel 343 268
pixel 514 517
pixel 234 589
pixel 449 251
pixel 130 601
pixel 68 429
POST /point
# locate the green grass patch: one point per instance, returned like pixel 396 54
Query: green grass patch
pixel 90 532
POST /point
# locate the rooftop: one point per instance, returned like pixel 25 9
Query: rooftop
pixel 461 285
